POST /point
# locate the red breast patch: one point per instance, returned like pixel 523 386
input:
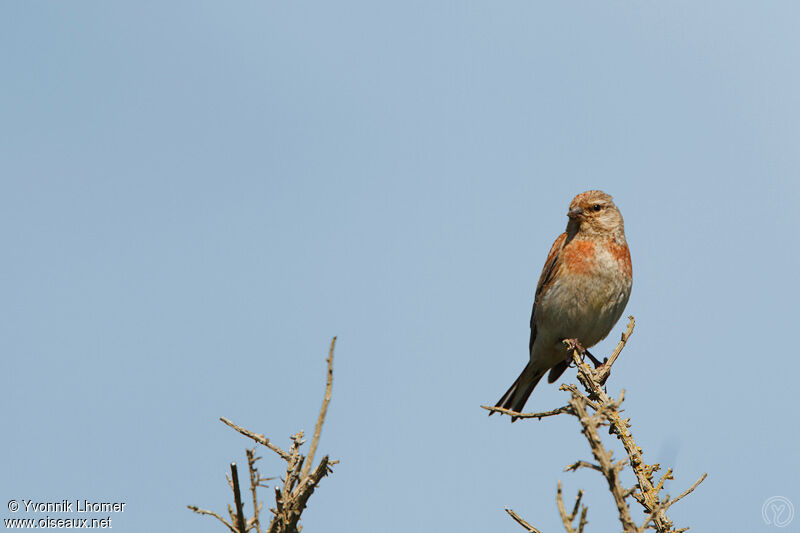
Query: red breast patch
pixel 579 256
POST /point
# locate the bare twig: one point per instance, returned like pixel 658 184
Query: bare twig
pixel 212 513
pixel 295 463
pixel 583 521
pixel 261 439
pixel 237 498
pixel 322 411
pixel 569 387
pixel 689 490
pixel 582 464
pixel 255 481
pixel 299 483
pixel 576 506
pixel 605 370
pixel 515 414
pixel 667 476
pixel 521 521
pixel 567 519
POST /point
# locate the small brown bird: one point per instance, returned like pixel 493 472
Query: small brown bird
pixel 582 291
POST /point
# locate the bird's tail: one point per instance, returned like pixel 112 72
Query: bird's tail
pixel 515 397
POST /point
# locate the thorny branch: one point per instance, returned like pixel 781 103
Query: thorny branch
pixel 299 482
pixel 593 410
pixel 543 414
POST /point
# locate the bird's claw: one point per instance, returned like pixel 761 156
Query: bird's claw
pixel 574 345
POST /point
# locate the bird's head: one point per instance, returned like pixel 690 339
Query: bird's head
pixel 594 213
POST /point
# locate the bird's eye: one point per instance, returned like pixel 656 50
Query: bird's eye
pixel 597 207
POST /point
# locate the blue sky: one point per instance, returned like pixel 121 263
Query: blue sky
pixel 195 197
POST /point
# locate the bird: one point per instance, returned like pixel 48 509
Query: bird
pixel 582 291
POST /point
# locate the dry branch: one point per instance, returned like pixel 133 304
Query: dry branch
pixel 689 490
pixel 605 370
pixel 255 482
pixel 521 521
pixel 567 519
pixel 237 498
pixel 322 411
pixel 593 410
pixel 515 414
pixel 212 513
pixel 260 439
pixel 299 482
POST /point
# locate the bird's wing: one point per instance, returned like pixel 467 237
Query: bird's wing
pixel 544 280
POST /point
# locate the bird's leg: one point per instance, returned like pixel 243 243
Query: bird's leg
pixel 574 344
pixel 597 364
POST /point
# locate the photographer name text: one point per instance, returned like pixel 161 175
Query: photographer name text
pixel 73 506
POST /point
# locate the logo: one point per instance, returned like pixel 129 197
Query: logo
pixel 777 511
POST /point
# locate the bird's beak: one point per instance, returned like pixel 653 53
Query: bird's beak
pixel 575 212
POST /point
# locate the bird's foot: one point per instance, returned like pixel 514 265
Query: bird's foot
pixel 574 345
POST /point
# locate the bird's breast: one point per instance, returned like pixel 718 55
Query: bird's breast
pixel 588 293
